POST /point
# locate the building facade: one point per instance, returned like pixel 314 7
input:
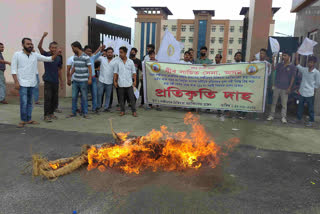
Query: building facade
pixel 219 36
pixel 308 25
pixel 66 21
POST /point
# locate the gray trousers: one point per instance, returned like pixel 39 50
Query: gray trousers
pixel 282 93
pixel 2 86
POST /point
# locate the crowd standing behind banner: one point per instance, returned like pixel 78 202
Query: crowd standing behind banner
pixel 102 71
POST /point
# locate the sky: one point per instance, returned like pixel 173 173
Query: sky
pixel 120 11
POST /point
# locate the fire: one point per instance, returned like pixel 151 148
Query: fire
pixel 56 165
pixel 160 150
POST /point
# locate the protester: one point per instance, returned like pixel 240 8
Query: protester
pixel 238 59
pixel 137 64
pixel 310 81
pixel 191 52
pixel 82 78
pixel 284 80
pixel 152 57
pixel 123 73
pixel 186 58
pixel 23 70
pixel 150 47
pixel 263 58
pixel 105 83
pixel 218 59
pixel 52 76
pixel 3 64
pixel 203 59
pixel 93 86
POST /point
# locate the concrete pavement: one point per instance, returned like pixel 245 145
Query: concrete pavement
pixel 275 169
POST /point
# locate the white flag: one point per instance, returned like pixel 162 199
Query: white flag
pixel 108 42
pixel 170 49
pixel 306 47
pixel 274 44
pixel 119 43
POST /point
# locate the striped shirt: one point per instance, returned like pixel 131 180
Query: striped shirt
pixel 81 64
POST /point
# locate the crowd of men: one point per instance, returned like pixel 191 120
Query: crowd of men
pixel 101 72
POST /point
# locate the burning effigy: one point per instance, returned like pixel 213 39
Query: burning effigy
pixel 158 150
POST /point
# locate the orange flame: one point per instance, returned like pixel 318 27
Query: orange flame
pixel 54 166
pixel 162 149
pixel 57 165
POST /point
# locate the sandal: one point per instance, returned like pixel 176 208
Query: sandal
pixel 134 114
pixel 71 115
pixel 58 111
pixel 21 125
pixel 121 114
pixel 47 119
pixel 32 122
pixel 54 117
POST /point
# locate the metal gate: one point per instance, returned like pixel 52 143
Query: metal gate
pixel 98 29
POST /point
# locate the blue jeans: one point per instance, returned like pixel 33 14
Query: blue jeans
pixel 94 93
pixel 2 86
pixel 36 90
pixel 26 94
pixel 107 88
pixel 310 103
pixel 81 87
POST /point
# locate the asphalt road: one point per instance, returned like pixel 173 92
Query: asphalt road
pixel 250 180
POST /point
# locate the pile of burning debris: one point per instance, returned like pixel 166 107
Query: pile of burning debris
pixel 158 150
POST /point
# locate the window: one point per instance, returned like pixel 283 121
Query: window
pixel 191 28
pixel 231 40
pixel 174 27
pixel 213 28
pixel 313 35
pixel 220 40
pixel 228 61
pixel 240 41
pixel 240 29
pixel 213 39
pixel 220 51
pixel 183 28
pixel 231 29
pixel 183 39
pixel 221 28
pixel 191 39
pixel 165 27
pixel 212 51
pixel 230 51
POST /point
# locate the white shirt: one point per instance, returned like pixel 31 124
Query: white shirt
pixel 70 63
pixel 146 58
pixel 125 72
pixel 184 62
pixel 26 67
pixel 310 81
pixel 106 70
pixel 268 64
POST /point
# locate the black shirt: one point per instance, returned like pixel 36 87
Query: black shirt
pixel 138 65
pixel 51 73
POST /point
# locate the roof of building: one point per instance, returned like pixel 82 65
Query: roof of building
pixel 298 5
pixel 165 9
pixel 245 10
pixel 204 11
pixel 100 9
